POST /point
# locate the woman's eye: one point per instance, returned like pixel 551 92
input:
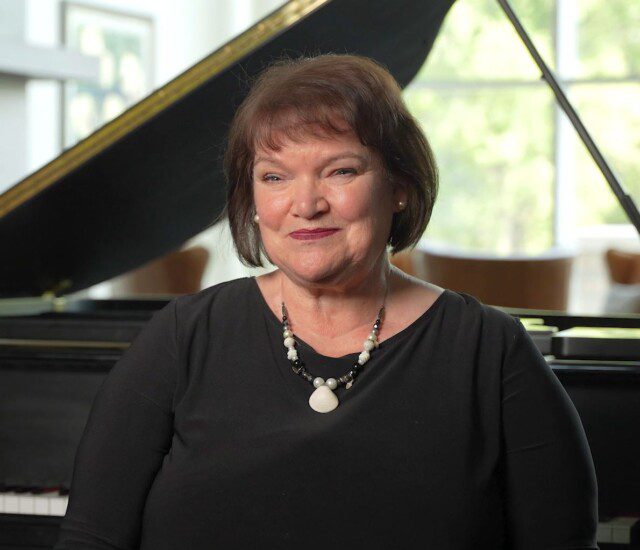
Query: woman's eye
pixel 345 171
pixel 270 177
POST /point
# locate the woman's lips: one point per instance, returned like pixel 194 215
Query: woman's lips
pixel 312 235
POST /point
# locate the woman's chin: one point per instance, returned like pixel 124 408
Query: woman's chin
pixel 314 275
pixel 314 272
pixel 318 266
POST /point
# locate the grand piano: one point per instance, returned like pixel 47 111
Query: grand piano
pixel 151 179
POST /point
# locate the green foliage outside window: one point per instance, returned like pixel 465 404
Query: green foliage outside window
pixel 495 141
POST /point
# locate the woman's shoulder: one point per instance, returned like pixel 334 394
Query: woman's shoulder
pixel 475 317
pixel 224 297
pixel 462 312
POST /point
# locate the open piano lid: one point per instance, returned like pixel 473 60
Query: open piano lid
pixel 146 182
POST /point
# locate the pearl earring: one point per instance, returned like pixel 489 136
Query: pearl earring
pixel 401 205
pixel 256 218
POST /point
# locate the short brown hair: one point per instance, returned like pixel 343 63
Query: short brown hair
pixel 296 97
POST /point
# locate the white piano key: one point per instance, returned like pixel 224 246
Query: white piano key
pixel 45 504
pixel 41 505
pixel 25 504
pixel 621 529
pixel 11 503
pixel 58 505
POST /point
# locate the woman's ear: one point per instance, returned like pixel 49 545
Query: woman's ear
pixel 400 195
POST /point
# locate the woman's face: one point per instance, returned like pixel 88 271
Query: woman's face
pixel 333 183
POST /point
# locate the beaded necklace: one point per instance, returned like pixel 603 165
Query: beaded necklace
pixel 323 399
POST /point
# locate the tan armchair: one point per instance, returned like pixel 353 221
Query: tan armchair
pixel 623 295
pixel 523 282
pixel 178 272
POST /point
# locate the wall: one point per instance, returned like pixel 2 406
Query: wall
pixel 13 108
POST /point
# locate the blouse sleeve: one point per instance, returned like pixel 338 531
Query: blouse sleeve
pixel 127 434
pixel 550 482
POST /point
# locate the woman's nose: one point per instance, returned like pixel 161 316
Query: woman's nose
pixel 308 199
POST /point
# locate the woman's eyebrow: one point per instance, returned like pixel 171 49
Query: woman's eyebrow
pixel 328 160
pixel 346 156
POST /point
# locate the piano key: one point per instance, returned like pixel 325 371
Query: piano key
pixel 45 504
pixel 11 505
pixel 41 506
pixel 58 506
pixel 26 504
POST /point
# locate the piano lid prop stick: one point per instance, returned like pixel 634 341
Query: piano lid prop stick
pixel 623 197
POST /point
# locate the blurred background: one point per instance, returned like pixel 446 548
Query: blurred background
pixel 517 184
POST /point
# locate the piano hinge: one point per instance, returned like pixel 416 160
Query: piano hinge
pixel 54 297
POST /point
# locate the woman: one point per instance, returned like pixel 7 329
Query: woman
pixel 334 401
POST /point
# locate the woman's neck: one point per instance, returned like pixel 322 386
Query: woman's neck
pixel 335 310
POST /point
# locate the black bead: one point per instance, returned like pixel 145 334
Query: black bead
pixel 297 366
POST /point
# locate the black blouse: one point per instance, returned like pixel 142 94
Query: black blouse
pixel 456 435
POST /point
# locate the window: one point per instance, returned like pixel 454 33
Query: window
pixel 515 177
pixel 123 44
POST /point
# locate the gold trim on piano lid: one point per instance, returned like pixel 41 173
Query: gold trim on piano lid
pixel 29 343
pixel 279 21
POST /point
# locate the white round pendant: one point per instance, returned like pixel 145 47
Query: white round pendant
pixel 323 400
